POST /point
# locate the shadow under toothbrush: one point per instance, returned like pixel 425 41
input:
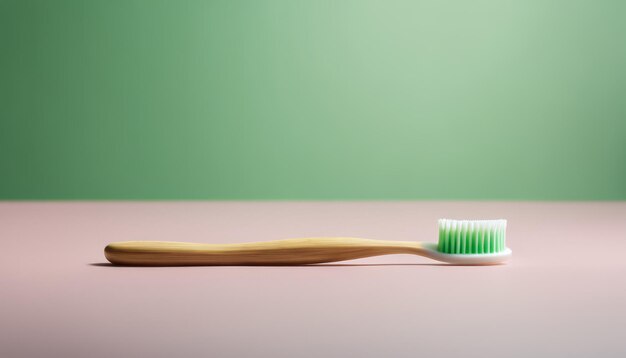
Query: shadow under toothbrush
pixel 108 264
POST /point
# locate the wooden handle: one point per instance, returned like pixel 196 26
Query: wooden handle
pixel 280 252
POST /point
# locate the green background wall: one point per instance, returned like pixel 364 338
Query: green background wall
pixel 313 99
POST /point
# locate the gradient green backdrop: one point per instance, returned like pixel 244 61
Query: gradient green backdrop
pixel 313 99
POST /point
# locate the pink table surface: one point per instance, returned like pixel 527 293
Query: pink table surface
pixel 564 293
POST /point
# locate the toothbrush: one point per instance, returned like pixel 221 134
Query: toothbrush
pixel 461 242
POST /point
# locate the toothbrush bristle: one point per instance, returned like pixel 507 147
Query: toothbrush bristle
pixel 471 236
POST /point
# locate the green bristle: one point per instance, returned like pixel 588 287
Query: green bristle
pixel 471 236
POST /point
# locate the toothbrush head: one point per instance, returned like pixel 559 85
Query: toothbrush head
pixel 471 236
pixel 471 242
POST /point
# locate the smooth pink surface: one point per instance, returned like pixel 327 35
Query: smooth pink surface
pixel 564 293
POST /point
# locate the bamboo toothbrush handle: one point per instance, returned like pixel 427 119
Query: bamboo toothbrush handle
pixel 280 252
